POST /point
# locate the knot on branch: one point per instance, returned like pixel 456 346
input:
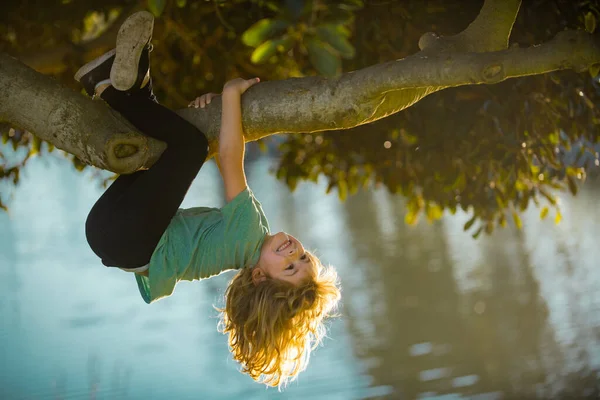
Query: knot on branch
pixel 125 150
pixel 570 37
pixel 456 43
pixel 427 40
pixel 126 153
pixel 493 73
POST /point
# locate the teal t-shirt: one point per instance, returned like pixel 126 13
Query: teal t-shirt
pixel 202 242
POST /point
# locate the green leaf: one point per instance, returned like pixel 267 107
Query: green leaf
pixel 339 16
pixel 262 146
pixel 433 212
pixel 342 30
pixel 517 220
pixel 477 233
pixel 502 220
pixel 352 185
pixel 469 223
pixel 284 44
pixel 273 6
pixel 263 52
pixel 330 186
pixel 281 172
pixel 332 36
pixel 351 5
pixel 411 217
pixel 544 213
pixel 266 50
pixel 590 22
pixel 557 218
pixel 594 70
pixel 292 182
pixel 572 185
pixel 156 7
pixel 263 30
pixel 551 199
pixel 181 3
pixel 78 164
pixel 342 190
pixel 322 59
pixel 35 148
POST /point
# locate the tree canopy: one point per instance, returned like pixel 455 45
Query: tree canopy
pixel 493 148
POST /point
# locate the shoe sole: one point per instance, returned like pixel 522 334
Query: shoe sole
pixel 133 36
pixel 93 64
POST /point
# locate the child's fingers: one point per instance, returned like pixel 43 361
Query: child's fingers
pixel 248 83
pixel 203 100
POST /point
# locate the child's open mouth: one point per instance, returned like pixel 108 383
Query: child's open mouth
pixel 284 246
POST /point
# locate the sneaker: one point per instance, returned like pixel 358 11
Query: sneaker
pixel 131 62
pixel 95 72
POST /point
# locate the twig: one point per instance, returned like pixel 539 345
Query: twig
pixel 220 16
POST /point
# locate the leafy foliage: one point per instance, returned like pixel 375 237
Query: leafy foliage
pixel 490 150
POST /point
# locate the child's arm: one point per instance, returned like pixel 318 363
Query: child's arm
pixel 231 137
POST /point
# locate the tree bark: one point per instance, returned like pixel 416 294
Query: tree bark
pixel 478 55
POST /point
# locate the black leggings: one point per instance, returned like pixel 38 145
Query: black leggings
pixel 127 222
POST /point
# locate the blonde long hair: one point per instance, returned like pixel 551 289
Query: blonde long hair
pixel 273 325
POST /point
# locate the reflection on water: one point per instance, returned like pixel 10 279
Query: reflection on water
pixel 427 311
pixel 514 315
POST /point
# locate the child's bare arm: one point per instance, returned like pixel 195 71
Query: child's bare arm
pixel 231 138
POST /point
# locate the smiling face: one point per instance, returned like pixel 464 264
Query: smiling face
pixel 283 257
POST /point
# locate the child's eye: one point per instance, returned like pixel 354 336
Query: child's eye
pixel 291 266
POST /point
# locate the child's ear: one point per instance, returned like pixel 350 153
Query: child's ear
pixel 258 275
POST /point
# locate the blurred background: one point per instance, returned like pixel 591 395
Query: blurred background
pixel 462 228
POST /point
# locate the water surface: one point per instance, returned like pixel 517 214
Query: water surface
pixel 427 311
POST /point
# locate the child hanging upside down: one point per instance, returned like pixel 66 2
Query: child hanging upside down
pixel 281 294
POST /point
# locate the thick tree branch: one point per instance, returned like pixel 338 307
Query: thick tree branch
pixel 490 31
pixel 315 104
pixel 88 129
pixel 99 136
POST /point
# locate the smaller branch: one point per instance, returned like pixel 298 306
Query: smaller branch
pixel 490 31
pixel 576 50
pixel 220 16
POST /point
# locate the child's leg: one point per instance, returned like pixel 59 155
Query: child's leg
pixel 127 222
